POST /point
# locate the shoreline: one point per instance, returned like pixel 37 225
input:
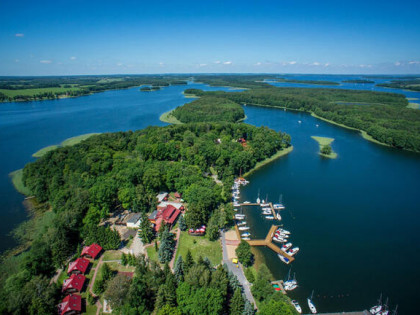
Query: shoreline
pixel 275 156
pixel 168 118
pixel 323 141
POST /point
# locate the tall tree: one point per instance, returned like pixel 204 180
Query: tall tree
pixel 179 269
pixel 237 303
pixel 146 231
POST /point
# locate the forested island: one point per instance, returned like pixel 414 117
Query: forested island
pixel 42 88
pixel 79 186
pixel 406 84
pixel 316 82
pixel 383 117
pixel 359 81
pixel 209 109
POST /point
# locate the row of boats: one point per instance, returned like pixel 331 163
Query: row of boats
pixel 281 236
pixel 310 304
pixel 382 309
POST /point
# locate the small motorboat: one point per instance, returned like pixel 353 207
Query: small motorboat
pixel 297 306
pixel 284 259
pixel 269 217
pixel 243 228
pixel 246 234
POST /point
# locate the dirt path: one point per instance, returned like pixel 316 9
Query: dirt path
pixel 177 235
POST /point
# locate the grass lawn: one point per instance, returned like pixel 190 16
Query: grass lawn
pixel 111 255
pixel 119 267
pixel 43 151
pixel 12 93
pixel 63 276
pixel 91 309
pixel 413 105
pixel 168 118
pixel 67 142
pixel 199 246
pixel 18 183
pixel 323 141
pixel 151 253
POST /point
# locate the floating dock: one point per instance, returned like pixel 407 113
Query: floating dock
pixel 268 242
pixel 258 204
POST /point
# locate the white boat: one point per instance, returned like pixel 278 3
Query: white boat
pixel 279 240
pixel 282 235
pixel 241 223
pixel 235 204
pixel 243 228
pixel 284 259
pixel 311 304
pixel 297 306
pixel 278 206
pixel 239 216
pixel 269 217
pixel 246 234
pixel 266 209
pixel 278 216
pixel 290 284
pixel 285 247
pixel 246 238
pixel 247 202
pixel 266 212
pixel 293 251
pixel 299 121
pixel 258 200
pixel 283 231
pixel 377 308
pixel 290 287
pixel 263 204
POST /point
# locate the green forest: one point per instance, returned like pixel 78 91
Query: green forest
pixel 384 116
pixel 83 184
pixel 209 109
pixel 407 84
pixel 41 88
pixel 316 82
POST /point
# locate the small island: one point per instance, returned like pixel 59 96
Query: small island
pixel 316 82
pixel 359 81
pixel 325 149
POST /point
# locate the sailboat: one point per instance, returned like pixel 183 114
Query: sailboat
pixel 377 308
pixel 311 304
pixel 258 199
pixel 384 310
pixel 297 306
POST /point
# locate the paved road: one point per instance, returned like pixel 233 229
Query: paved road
pixel 238 272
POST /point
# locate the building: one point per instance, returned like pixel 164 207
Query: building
pixel 73 284
pixel 80 265
pixel 177 195
pixel 162 196
pixel 168 215
pixel 164 204
pixel 71 304
pixel 91 251
pixel 133 221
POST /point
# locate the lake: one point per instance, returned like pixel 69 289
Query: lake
pixel 354 218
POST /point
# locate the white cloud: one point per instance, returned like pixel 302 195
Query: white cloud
pixel 45 61
pixel 72 58
pixel 327 64
pixel 119 64
pixel 292 62
pixel 398 63
pixel 202 64
pixel 414 62
pixel 316 63
pixel 258 64
pixel 217 62
pixel 227 63
pixel 161 64
pixel 19 34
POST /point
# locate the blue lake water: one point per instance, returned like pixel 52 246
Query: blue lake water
pixel 355 218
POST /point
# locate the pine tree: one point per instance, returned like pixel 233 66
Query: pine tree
pixel 248 309
pixel 237 303
pixel 145 232
pixel 170 292
pixel 160 297
pixel 233 282
pixel 207 262
pixel 189 261
pixel 179 269
pixel 124 259
pixel 182 224
pixel 166 248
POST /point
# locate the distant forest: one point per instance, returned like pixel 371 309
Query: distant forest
pixel 412 84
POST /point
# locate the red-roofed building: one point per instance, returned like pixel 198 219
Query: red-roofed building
pixel 167 215
pixel 91 251
pixel 177 195
pixel 80 265
pixel 71 304
pixel 74 283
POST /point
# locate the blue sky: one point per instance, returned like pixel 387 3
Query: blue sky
pixel 115 37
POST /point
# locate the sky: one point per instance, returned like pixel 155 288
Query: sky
pixel 134 37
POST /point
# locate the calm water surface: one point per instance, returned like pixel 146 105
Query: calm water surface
pixel 355 218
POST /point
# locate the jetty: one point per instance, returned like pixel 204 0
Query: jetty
pixel 268 242
pixel 258 204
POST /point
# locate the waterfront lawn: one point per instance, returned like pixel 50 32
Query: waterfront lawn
pixel 18 183
pixel 270 159
pixel 169 118
pixel 45 150
pixel 199 246
pixel 323 141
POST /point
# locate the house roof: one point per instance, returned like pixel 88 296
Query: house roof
pixel 177 195
pixel 92 250
pixel 80 264
pixel 134 218
pixel 162 196
pixel 70 303
pixel 158 223
pixel 74 282
pixel 153 215
pixel 164 204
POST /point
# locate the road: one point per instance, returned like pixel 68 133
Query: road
pixel 238 272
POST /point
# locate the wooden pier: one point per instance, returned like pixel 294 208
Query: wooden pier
pixel 257 204
pixel 280 284
pixel 268 242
